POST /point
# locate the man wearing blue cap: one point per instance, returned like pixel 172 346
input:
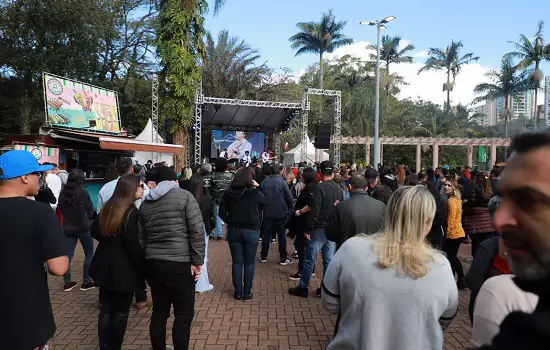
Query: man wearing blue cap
pixel 30 240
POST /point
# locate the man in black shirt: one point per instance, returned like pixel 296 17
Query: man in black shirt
pixel 326 196
pixel 31 241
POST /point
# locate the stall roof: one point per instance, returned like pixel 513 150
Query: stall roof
pixel 119 143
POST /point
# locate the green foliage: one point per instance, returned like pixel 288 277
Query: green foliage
pixel 319 38
pixel 230 68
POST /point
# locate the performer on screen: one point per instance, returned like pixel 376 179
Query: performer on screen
pixel 265 155
pixel 239 148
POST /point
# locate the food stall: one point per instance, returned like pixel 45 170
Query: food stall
pixel 83 131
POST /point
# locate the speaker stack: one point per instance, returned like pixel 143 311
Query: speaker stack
pixel 168 137
pixel 322 136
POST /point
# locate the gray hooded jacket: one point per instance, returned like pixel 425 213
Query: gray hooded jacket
pixel 171 225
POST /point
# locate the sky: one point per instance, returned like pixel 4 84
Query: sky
pixel 484 26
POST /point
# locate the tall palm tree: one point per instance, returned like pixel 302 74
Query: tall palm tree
pixel 450 61
pixel 320 38
pixel 390 53
pixel 530 54
pixel 505 84
pixel 230 68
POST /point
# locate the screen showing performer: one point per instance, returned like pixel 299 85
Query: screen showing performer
pixel 237 143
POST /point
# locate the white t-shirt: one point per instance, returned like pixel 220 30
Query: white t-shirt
pixel 383 310
pixel 498 297
pixel 54 183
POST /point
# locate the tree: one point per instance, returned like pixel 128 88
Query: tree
pixel 390 53
pixel 530 54
pixel 450 61
pixel 230 69
pixel 505 84
pixel 320 38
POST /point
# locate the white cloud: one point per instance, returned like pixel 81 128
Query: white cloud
pixel 426 85
pixel 420 54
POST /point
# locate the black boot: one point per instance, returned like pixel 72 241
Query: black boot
pixel 298 291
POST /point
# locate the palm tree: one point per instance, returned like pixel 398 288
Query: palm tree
pixel 320 38
pixel 230 69
pixel 531 53
pixel 450 61
pixel 390 53
pixel 505 84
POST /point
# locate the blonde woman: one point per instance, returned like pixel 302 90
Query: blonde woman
pixel 391 289
pixel 455 233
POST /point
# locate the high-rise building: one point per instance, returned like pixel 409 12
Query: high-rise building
pixel 547 100
pixel 481 115
pixel 522 105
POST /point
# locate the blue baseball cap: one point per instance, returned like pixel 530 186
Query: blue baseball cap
pixel 18 163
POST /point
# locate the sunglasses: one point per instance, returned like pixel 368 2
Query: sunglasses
pixel 142 185
pixel 37 174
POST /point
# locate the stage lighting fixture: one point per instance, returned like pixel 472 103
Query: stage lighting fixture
pixel 258 128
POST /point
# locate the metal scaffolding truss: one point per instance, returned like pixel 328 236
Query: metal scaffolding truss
pixel 155 113
pixel 250 103
pixel 199 100
pixel 337 136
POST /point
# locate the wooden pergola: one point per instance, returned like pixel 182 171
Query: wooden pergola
pixel 435 142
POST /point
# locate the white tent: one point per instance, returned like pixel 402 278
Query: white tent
pixel 293 156
pixel 147 136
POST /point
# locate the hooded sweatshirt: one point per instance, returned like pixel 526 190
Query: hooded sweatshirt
pixel 243 208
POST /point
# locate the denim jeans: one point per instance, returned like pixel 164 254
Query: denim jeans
pixel 219 223
pixel 243 244
pixel 272 226
pixel 318 243
pixel 88 245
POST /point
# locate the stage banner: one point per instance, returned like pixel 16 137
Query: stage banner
pixel 41 153
pixel 73 104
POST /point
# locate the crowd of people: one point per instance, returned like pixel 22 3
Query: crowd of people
pixel 388 237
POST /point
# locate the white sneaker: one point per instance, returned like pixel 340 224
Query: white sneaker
pixel 286 262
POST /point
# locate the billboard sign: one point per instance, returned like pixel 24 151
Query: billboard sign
pixel 76 105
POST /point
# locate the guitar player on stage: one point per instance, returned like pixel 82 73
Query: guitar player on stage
pixel 237 150
pixel 265 155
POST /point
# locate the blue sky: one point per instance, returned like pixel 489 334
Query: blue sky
pixel 484 26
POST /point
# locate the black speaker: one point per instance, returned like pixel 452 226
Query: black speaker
pixel 168 137
pixel 322 136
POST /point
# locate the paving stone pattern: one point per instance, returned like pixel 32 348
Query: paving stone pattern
pixel 273 320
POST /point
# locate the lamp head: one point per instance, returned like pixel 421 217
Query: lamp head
pixel 388 19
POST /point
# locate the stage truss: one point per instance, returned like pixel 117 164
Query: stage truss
pixel 200 100
pixel 337 136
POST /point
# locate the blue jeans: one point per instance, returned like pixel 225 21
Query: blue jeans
pixel 219 223
pixel 243 244
pixel 272 226
pixel 88 245
pixel 318 243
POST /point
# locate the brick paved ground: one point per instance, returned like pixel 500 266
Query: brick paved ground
pixel 273 320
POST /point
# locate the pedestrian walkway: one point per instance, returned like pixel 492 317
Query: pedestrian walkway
pixel 274 320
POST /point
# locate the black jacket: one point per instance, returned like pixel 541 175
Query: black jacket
pixel 118 260
pixel 359 214
pixel 520 330
pixel 76 216
pixel 45 195
pixel 300 224
pixel 243 209
pixel 439 224
pixel 279 197
pixel 207 211
pixel 479 271
pixel 326 196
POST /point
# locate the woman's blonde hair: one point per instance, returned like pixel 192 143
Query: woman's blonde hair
pixel 290 177
pixel 402 243
pixel 456 189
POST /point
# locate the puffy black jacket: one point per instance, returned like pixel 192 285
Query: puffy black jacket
pixel 219 183
pixel 359 214
pixel 278 194
pixel 172 226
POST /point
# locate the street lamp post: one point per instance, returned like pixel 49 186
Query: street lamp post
pixel 379 26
